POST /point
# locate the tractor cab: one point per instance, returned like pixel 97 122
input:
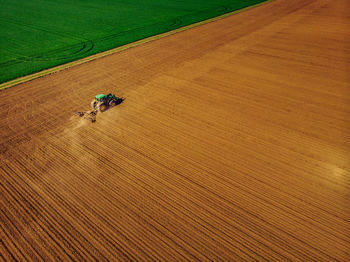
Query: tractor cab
pixel 100 98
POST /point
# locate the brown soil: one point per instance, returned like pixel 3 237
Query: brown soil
pixel 233 143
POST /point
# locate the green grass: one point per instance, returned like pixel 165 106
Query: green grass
pixel 39 34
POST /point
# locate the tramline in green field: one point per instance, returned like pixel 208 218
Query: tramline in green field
pixel 40 34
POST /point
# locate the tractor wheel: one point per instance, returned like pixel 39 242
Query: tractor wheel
pixel 102 108
pixel 112 103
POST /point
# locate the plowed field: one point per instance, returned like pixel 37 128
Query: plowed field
pixel 232 144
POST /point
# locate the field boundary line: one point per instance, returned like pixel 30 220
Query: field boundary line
pixel 68 65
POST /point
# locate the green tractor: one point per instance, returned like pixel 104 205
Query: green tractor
pixel 103 102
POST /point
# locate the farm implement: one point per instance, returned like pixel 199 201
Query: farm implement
pixel 88 115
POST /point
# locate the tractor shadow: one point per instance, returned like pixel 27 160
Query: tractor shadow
pixel 119 101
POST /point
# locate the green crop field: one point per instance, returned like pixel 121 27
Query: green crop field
pixel 39 34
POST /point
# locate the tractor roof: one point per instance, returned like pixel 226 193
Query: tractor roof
pixel 100 96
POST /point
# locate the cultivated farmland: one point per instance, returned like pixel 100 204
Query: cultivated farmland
pixel 232 144
pixel 40 34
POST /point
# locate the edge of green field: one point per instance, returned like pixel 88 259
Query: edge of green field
pixel 64 66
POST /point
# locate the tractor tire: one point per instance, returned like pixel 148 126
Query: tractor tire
pixel 112 103
pixel 102 107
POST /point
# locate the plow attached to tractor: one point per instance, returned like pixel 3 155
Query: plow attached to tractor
pixel 88 115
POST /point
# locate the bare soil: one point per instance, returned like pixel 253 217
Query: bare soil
pixel 232 144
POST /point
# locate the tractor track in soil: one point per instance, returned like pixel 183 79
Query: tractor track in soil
pixel 232 144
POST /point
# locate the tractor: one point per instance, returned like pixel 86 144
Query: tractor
pixel 103 102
